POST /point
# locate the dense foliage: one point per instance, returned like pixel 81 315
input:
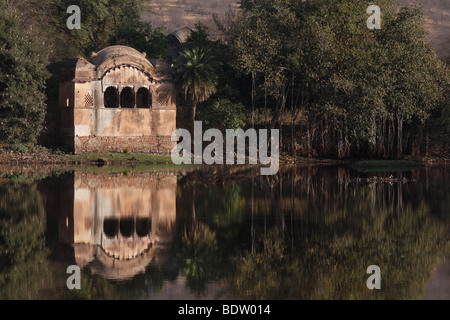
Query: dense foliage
pixel 109 22
pixel 195 74
pixel 223 105
pixel 357 87
pixel 221 114
pixel 23 61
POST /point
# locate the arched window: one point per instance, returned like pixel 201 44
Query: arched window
pixel 111 98
pixel 143 98
pixel 127 98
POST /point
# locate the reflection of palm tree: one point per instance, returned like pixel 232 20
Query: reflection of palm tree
pixel 197 255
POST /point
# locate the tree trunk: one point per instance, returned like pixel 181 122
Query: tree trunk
pixel 399 136
pixel 193 112
pixel 193 215
pixel 346 146
pixel 392 137
pixel 308 141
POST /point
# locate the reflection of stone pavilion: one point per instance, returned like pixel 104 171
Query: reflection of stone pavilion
pixel 119 224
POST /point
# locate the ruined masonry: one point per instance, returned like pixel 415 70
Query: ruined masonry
pixel 117 100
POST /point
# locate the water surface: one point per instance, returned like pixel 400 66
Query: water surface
pixel 226 233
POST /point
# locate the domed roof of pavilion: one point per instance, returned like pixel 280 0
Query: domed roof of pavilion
pixel 116 56
pixel 115 52
pixel 112 57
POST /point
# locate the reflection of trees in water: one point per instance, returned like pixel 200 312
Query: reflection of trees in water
pixel 23 265
pixel 335 268
pixel 321 246
pixel 314 231
pixel 223 209
pixel 197 256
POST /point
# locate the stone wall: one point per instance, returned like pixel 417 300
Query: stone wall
pixel 144 144
pixel 114 130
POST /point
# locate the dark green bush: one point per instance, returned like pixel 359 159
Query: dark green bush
pixel 27 148
pixel 18 148
pixel 23 62
pixel 221 114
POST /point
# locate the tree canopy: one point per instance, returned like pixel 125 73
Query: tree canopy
pixel 23 61
pixel 195 73
pixel 353 83
pixel 108 22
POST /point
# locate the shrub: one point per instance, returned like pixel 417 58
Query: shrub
pixel 28 148
pixel 18 148
pixel 222 114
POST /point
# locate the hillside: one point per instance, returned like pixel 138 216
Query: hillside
pixel 175 14
pixel 437 14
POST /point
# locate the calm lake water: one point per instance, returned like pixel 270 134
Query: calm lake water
pixel 226 233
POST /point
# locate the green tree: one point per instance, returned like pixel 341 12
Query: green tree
pixel 108 22
pixel 23 62
pixel 199 38
pixel 195 74
pixel 320 57
pixel 413 81
pixel 225 109
pixel 138 34
pixel 221 114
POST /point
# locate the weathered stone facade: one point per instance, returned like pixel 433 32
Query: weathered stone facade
pixel 117 100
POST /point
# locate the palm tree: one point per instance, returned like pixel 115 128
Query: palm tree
pixel 195 73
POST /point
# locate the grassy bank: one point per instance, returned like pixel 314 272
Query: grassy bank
pixel 121 157
pixel 19 154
